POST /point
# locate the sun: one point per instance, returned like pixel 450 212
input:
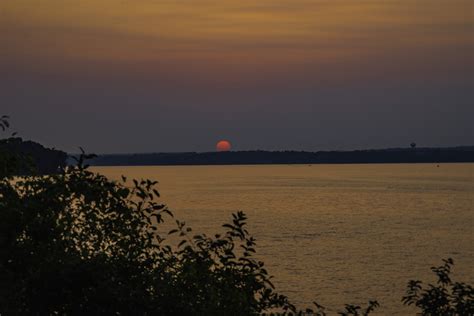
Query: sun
pixel 223 145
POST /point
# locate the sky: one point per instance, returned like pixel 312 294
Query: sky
pixel 121 76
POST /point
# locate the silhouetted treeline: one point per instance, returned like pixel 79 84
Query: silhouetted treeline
pixel 395 155
pixel 34 157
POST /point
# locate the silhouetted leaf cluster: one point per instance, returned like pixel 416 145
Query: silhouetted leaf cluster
pixel 446 298
pixel 4 124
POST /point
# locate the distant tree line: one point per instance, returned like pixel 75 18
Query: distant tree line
pixel 397 155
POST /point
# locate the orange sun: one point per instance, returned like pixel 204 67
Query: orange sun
pixel 223 145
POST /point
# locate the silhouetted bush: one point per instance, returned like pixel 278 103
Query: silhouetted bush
pixel 76 242
pixel 447 298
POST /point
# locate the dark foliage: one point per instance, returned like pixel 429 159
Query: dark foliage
pixel 446 298
pixel 4 123
pixel 349 310
pixel 76 242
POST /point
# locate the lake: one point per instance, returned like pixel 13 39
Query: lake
pixel 334 233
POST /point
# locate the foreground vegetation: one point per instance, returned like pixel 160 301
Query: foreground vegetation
pixel 75 242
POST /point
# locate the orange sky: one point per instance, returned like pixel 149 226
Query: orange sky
pixel 242 33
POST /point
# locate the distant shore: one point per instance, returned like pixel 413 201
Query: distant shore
pixel 391 155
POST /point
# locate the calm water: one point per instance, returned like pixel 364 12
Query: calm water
pixel 334 233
